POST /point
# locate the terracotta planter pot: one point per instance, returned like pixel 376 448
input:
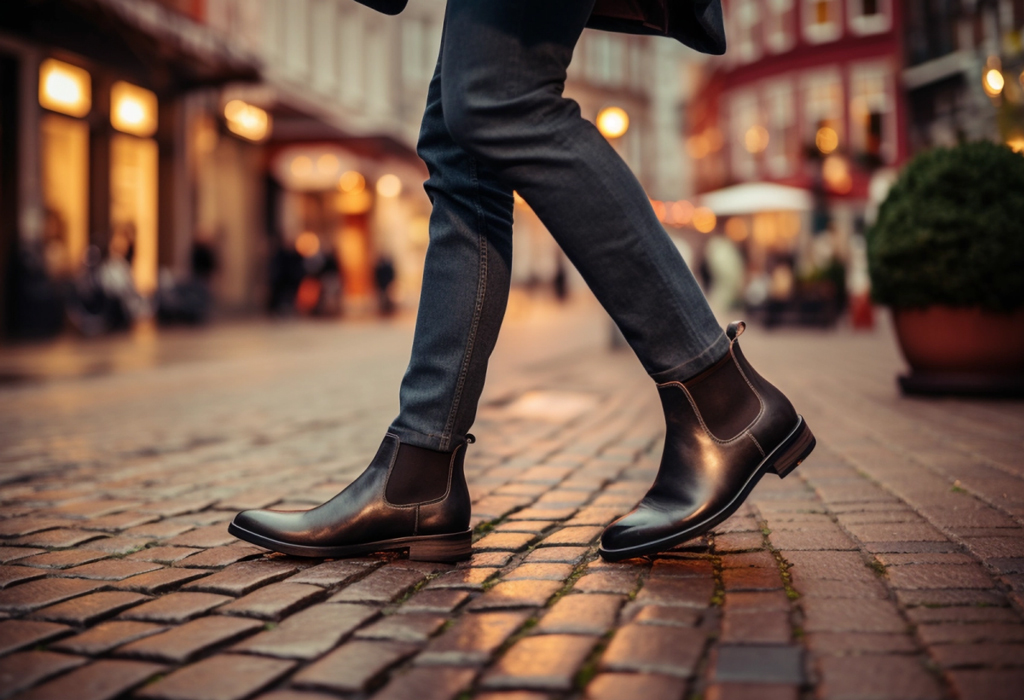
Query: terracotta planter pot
pixel 943 339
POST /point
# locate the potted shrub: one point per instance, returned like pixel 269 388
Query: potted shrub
pixel 947 255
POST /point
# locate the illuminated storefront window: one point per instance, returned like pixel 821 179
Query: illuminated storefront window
pixel 64 88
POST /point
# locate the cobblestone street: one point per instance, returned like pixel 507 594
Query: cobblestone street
pixel 890 565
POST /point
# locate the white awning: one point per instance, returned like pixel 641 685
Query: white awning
pixel 754 197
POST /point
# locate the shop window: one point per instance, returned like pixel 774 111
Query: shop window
pixel 872 115
pixel 133 206
pixel 783 141
pixel 821 20
pixel 823 109
pixel 778 25
pixel 64 151
pixel 746 22
pixel 869 16
pixel 351 52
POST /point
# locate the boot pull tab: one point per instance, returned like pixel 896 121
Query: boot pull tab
pixel 470 438
pixel 735 330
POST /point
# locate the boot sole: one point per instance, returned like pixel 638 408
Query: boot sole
pixel 782 461
pixel 440 548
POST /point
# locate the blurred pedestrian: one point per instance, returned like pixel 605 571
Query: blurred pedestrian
pixel 496 122
pixel 384 277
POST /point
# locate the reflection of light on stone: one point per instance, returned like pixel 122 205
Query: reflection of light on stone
pixel 351 181
pixel 307 244
pixel 612 122
pixel 704 220
pixel 756 139
pixel 389 186
pixel 736 229
pixel 64 88
pixel 827 140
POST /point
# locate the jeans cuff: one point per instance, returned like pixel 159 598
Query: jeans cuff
pixel 411 437
pixel 695 365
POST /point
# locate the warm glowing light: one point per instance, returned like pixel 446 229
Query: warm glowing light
pixel 765 229
pixel 993 81
pixel 704 220
pixel 352 181
pixel 698 146
pixel 64 88
pixel 327 164
pixel 307 244
pixel 736 229
pixel 356 202
pixel 659 209
pixel 836 172
pixel 389 185
pixel 419 230
pixel 133 109
pixel 827 140
pixel 248 121
pixel 756 139
pixel 612 122
pixel 681 213
pixel 301 166
pixel 1017 144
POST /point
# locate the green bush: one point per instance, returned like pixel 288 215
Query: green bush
pixel 951 231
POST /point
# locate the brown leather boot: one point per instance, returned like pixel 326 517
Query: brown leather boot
pixel 726 428
pixel 408 498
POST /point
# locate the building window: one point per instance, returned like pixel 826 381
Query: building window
pixel 869 16
pixel 872 116
pixel 605 60
pixel 744 115
pixel 823 107
pixel 821 20
pixel 351 51
pixel 778 25
pixel 783 140
pixel 746 21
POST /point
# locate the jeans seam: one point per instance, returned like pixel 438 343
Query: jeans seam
pixel 481 290
pixel 684 363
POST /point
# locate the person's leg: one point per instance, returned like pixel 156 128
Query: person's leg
pixel 465 286
pixel 503 71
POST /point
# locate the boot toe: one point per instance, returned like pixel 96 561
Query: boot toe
pixel 274 524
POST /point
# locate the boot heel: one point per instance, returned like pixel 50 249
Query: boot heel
pixel 793 451
pixel 443 548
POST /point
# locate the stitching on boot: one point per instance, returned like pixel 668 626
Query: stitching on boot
pixel 756 444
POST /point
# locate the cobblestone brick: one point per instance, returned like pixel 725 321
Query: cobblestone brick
pixel 539 572
pixel 309 633
pixel 469 579
pixel 439 602
pixel 9 554
pixel 750 601
pixel 62 559
pixel 988 684
pixel 209 536
pixel 25 669
pixel 947 633
pixel 381 586
pixel 217 557
pixel 473 638
pixel 106 636
pixel 274 601
pixel 427 684
pixel 621 582
pixel 504 541
pixel 756 627
pixel 221 677
pixel 413 628
pixel 18 634
pixel 37 594
pixel 176 607
pixel 12 575
pixel 671 651
pixel 581 614
pixel 516 594
pixel 691 568
pixel 160 581
pixel 183 643
pixel 101 680
pixel 764 663
pixel 825 615
pixel 572 536
pixel 978 655
pixel 243 577
pixel 545 662
pixel 938 576
pixel 752 691
pixel 110 570
pixel 163 555
pixel 557 555
pixel 353 666
pixel 330 573
pixel 751 579
pixel 617 686
pixel 686 591
pixel 64 537
pixel 840 643
pixel 91 608
pixel 669 615
pixel 882 677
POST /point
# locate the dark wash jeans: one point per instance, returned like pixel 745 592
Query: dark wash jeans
pixel 496 121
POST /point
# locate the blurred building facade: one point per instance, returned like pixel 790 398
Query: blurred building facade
pixel 267 142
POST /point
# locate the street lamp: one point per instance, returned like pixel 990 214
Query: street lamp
pixel 132 109
pixel 64 88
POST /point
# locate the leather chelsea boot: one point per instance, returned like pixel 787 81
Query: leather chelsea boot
pixel 408 498
pixel 726 428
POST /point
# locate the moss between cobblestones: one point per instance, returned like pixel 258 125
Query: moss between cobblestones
pixel 878 567
pixel 718 597
pixel 589 668
pixel 787 578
